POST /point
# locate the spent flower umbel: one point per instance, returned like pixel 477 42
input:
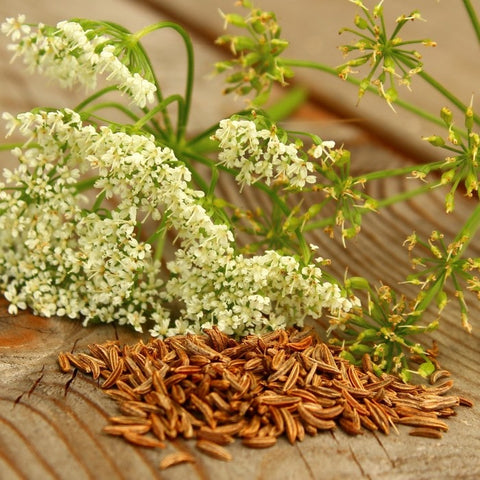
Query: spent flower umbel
pixel 390 58
pixel 462 166
pixel 444 264
pixel 256 64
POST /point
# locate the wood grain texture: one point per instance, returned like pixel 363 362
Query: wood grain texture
pixel 50 423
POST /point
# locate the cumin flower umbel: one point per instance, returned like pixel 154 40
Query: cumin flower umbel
pixel 72 55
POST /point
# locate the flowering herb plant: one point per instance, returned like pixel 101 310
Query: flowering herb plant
pixel 90 213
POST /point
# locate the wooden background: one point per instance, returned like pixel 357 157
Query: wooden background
pixel 50 423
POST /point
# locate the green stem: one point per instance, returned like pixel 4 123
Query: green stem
pixel 447 94
pixel 94 97
pixel 395 172
pixel 332 71
pixel 401 197
pixel 159 108
pixel 468 230
pixel 473 17
pixel 10 146
pixel 184 114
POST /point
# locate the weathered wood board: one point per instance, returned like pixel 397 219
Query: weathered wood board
pixel 50 423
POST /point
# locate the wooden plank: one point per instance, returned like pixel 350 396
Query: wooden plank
pixel 51 422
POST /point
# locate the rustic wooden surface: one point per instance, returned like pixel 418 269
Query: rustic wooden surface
pixel 50 423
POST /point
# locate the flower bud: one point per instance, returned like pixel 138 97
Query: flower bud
pixel 435 140
pixel 360 22
pixel 469 118
pixel 235 19
pixel 446 115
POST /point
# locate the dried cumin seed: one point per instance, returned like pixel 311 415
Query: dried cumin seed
pixel 158 383
pixel 93 363
pixel 178 394
pixel 204 409
pixel 324 413
pixel 426 432
pixel 112 357
pixel 290 425
pixel 184 425
pixel 175 378
pixel 259 442
pixel 305 395
pixel 423 421
pixel 354 378
pixel 367 364
pixel 277 359
pixel 327 355
pixel 200 348
pixel 215 399
pixel 326 392
pixel 377 385
pixel 354 392
pixel 300 429
pixel 125 387
pixel 158 428
pixel 441 388
pixel 378 416
pixel 214 436
pixel 292 377
pixel 465 402
pixel 142 440
pixel 214 450
pixel 136 371
pixel 188 369
pixel 251 428
pixel 128 420
pixel 78 363
pixel 218 339
pixel 319 364
pixel 176 458
pixel 310 419
pixel 114 375
pixel 64 363
pixel 121 430
pixel 439 403
pixel 437 375
pixel 118 395
pixel 231 428
pixel 349 426
pixel 144 387
pixel 278 400
pixel 368 423
pixel 128 408
pixel 354 403
pixel 301 344
pixel 283 370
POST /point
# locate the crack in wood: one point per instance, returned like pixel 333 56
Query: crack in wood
pixel 359 465
pixel 307 465
pixel 390 459
pixel 32 388
pixel 69 382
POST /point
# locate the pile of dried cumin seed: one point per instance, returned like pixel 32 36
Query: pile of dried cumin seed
pixel 214 388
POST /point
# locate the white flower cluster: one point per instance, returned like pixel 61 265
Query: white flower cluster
pixel 250 295
pixel 71 55
pixel 61 257
pixel 260 155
